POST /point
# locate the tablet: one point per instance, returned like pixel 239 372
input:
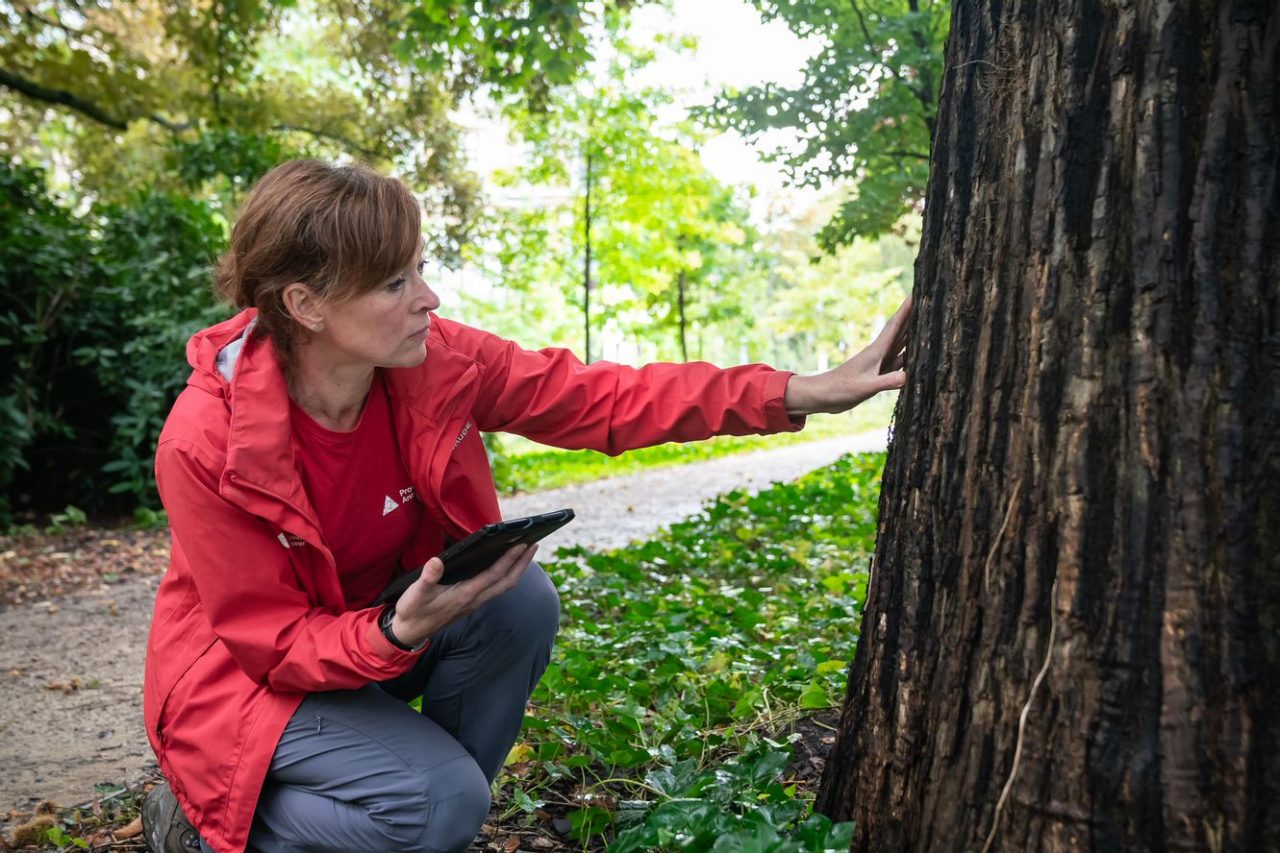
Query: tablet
pixel 471 556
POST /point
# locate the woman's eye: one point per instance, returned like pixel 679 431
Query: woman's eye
pixel 422 266
pixel 397 284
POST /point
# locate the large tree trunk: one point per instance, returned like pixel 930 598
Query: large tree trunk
pixel 1072 636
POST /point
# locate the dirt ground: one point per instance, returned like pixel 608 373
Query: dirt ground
pixel 71 663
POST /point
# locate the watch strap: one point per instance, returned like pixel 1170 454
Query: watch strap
pixel 384 624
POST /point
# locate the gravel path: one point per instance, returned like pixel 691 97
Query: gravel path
pixel 71 703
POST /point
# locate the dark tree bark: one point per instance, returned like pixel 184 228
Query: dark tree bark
pixel 1072 635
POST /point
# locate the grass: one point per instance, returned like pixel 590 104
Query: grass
pixel 521 465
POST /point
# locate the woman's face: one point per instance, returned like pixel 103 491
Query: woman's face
pixel 386 327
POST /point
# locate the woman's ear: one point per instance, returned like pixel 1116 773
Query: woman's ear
pixel 303 306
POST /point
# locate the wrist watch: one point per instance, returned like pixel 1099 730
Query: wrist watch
pixel 384 623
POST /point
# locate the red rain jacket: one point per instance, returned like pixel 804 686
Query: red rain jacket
pixel 250 616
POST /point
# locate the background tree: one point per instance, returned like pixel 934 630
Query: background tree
pixel 826 304
pixel 865 112
pixel 1071 634
pixel 635 223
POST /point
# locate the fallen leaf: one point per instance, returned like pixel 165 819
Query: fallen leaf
pixel 131 829
pixel 519 753
pixel 70 686
pixel 100 839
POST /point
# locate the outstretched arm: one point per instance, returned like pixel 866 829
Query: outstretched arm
pixel 551 397
pixel 877 368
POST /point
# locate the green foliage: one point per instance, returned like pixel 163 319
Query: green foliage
pixel 865 111
pixel 735 807
pixel 99 306
pixel 514 46
pixel 46 267
pixel 158 254
pixel 205 97
pixel 662 233
pixel 59 837
pixel 828 305
pixel 675 651
pixel 145 518
pixel 242 157
pixel 70 517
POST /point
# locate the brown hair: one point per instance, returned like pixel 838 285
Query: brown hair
pixel 340 230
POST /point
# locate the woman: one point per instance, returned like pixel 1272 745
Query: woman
pixel 327 441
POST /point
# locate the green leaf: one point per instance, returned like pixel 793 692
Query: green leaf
pixel 815 696
pixel 524 802
pixel 588 822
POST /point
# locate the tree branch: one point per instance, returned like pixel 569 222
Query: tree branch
pixel 914 155
pixel 60 97
pixel 173 126
pixel 63 98
pixel 331 137
pixel 862 22
pixel 923 94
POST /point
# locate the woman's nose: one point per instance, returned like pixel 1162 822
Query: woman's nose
pixel 429 298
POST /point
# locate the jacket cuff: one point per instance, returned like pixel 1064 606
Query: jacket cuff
pixel 775 409
pixel 382 647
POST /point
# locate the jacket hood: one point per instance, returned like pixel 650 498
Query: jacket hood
pixel 242 372
pixel 213 352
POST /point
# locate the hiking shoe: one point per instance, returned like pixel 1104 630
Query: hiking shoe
pixel 164 826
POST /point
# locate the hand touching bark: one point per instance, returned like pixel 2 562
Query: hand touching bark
pixel 877 368
pixel 426 606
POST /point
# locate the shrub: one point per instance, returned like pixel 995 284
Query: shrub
pixel 99 301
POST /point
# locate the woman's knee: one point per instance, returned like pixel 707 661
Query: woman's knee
pixel 544 604
pixel 530 611
pixel 457 803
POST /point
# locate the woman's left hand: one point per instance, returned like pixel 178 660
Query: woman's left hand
pixel 877 368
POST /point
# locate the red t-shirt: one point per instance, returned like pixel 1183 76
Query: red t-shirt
pixel 361 492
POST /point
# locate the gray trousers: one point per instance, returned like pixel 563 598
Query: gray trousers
pixel 359 770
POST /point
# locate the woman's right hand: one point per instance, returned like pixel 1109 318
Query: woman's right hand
pixel 427 606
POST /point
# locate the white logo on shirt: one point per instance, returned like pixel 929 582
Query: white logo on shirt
pixel 291 540
pixel 389 505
